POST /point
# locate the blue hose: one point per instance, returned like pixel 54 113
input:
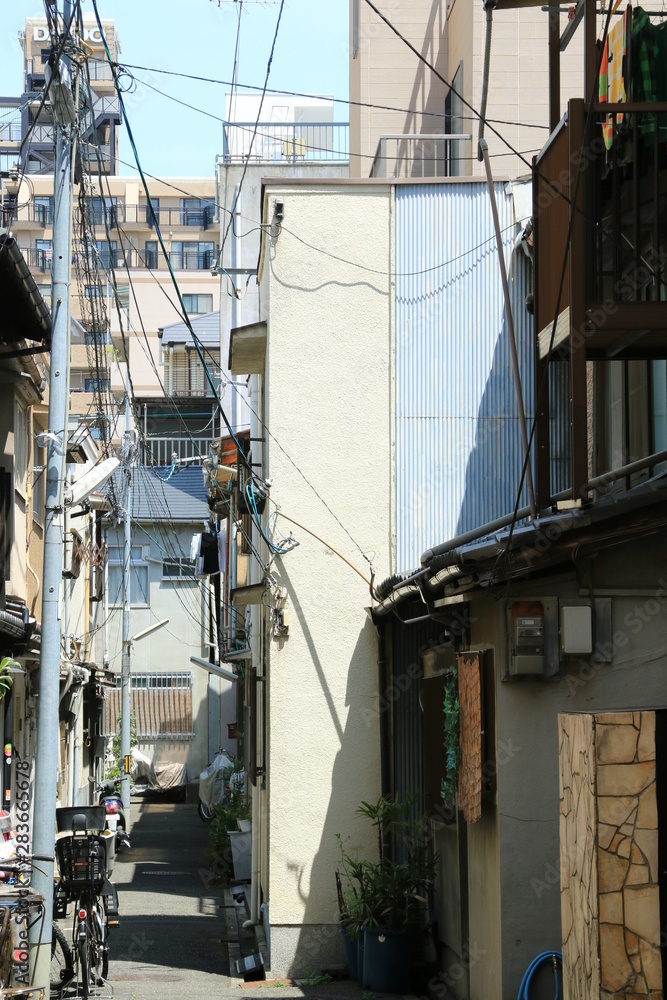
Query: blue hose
pixel 545 956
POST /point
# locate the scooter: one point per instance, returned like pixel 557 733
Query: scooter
pixel 114 812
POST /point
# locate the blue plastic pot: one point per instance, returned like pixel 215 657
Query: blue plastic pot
pixel 387 963
pixel 352 954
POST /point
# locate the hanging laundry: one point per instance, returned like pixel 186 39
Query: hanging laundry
pixel 649 74
pixel 615 72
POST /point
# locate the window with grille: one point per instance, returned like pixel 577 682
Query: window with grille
pixel 161 704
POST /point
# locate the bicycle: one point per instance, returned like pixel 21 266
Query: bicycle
pixel 17 902
pixel 82 860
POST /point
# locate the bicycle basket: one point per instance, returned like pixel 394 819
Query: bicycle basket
pixel 82 861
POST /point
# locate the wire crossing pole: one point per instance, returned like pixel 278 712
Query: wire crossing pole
pixel 46 770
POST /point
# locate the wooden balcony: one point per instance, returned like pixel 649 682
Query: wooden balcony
pixel 600 245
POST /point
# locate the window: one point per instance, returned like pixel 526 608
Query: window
pixel 99 338
pixel 454 124
pixel 150 254
pixel 192 212
pixel 43 209
pixel 192 256
pixel 93 292
pixel 96 385
pixel 178 568
pixel 139 592
pixel 101 207
pixel 355 28
pixel 43 254
pixel 161 703
pixel 107 253
pixel 20 447
pixel 10 131
pixel 155 202
pixel 198 303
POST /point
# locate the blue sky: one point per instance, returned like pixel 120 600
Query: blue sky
pixel 198 38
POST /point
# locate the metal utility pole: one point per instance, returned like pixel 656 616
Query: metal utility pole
pixel 236 315
pixel 125 703
pixel 46 769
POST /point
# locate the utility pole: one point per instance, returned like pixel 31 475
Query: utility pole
pixel 125 702
pixel 236 315
pixel 46 768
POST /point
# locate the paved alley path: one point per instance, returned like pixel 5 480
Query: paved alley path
pixel 169 940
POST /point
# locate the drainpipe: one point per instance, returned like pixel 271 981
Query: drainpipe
pixel 257 630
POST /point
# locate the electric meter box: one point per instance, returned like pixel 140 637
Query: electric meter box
pixel 527 639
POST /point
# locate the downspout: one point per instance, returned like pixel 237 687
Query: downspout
pixel 483 154
pixel 257 631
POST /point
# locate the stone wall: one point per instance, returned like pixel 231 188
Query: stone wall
pixel 609 857
pixel 579 874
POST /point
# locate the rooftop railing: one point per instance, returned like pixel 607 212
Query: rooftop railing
pixel 420 155
pixel 286 142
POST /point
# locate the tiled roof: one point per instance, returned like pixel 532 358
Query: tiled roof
pixel 158 494
pixel 206 327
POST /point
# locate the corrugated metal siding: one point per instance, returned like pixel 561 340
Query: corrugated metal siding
pixel 458 444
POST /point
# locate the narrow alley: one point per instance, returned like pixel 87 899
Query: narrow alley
pixel 169 939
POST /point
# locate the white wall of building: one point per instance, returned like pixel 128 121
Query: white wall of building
pixel 328 393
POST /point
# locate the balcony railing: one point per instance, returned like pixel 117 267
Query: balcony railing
pixel 599 209
pixel 288 142
pixel 185 260
pixel 419 155
pixel 161 450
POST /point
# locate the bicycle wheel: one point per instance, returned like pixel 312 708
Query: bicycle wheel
pixel 62 964
pixel 98 957
pixel 84 966
pixel 205 813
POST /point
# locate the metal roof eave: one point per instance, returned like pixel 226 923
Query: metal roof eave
pixel 30 319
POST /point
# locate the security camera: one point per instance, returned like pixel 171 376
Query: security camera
pixel 79 491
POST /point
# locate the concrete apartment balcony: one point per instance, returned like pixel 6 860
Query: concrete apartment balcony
pixel 420 155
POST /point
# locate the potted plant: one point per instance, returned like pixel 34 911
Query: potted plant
pixel 383 903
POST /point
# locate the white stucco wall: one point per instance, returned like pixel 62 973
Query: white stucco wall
pixel 328 400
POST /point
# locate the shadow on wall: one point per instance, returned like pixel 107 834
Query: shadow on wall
pixel 425 82
pixel 494 466
pixel 355 776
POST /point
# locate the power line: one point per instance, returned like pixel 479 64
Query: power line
pixel 231 221
pixel 336 100
pixel 255 131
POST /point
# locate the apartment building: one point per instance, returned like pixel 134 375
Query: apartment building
pixel 396 100
pixel 122 291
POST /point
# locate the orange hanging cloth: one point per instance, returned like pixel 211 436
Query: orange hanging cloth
pixel 614 72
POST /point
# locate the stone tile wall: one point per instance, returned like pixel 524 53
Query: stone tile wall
pixel 609 857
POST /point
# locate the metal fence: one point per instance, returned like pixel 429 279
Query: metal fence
pixel 287 142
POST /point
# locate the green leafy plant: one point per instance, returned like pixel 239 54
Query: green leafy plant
pixel 450 783
pixel 114 772
pixel 6 679
pixel 389 892
pixel 225 820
